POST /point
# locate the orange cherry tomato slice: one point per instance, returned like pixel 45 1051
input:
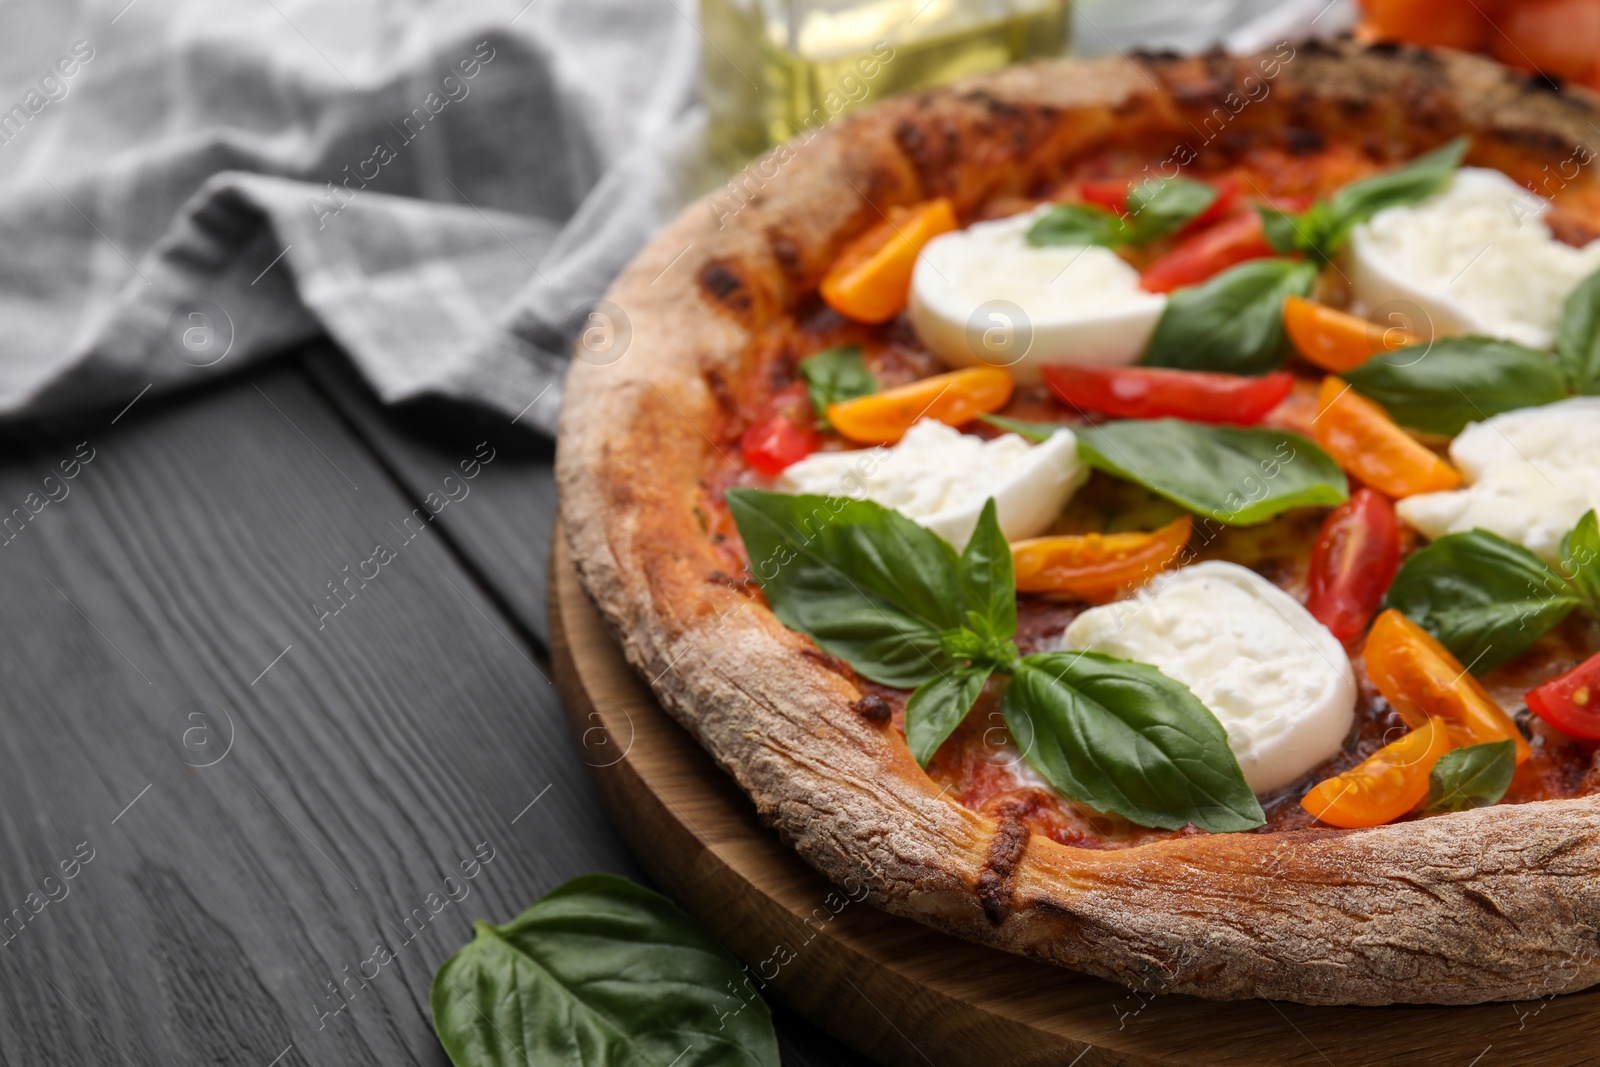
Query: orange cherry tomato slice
pixel 870 281
pixel 1334 340
pixel 1097 567
pixel 1385 785
pixel 1361 437
pixel 1421 680
pixel 954 398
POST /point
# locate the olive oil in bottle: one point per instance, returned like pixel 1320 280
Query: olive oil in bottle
pixel 775 68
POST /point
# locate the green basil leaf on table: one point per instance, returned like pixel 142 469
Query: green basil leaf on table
pixel 1124 738
pixel 937 707
pixel 866 583
pixel 599 971
pixel 1472 777
pixel 1442 386
pixel 835 375
pixel 1232 323
pixel 1078 224
pixel 1485 598
pixel 988 579
pixel 1580 560
pixel 1323 228
pixel 1236 475
pixel 1033 431
pixel 1578 339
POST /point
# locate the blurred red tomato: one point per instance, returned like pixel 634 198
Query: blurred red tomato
pixel 1558 37
pixel 1460 24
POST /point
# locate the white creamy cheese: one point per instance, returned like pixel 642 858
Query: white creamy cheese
pixel 1080 305
pixel 1529 477
pixel 1277 680
pixel 940 477
pixel 1475 258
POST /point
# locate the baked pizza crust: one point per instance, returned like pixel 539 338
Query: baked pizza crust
pixel 1499 903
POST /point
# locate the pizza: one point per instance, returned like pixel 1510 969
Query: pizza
pixel 1140 514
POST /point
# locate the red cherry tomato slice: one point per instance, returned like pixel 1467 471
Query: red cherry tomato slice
pixel 1571 703
pixel 1154 393
pixel 1209 252
pixel 1112 194
pixel 1353 561
pixel 785 433
pixel 1109 193
pixel 1227 199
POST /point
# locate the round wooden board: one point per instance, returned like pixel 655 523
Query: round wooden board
pixel 912 997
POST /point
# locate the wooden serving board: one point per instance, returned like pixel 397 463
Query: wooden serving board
pixel 912 997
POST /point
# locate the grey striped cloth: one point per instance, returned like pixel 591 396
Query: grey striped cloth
pixel 443 188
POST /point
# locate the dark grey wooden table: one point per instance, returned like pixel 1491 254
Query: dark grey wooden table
pixel 241 744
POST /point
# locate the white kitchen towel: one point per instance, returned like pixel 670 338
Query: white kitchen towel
pixel 442 188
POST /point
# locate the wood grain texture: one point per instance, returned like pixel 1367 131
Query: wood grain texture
pixel 501 534
pixel 912 996
pixel 365 765
pixel 501 530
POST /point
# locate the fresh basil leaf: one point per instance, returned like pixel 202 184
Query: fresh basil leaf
pixel 1079 224
pixel 599 971
pixel 938 706
pixel 1578 340
pixel 1321 230
pixel 1123 737
pixel 1485 598
pixel 1471 777
pixel 1033 431
pixel 1442 386
pixel 1419 179
pixel 1231 323
pixel 988 579
pixel 864 582
pixel 1156 208
pixel 1284 230
pixel 1236 475
pixel 1580 559
pixel 835 375
pixel 1160 206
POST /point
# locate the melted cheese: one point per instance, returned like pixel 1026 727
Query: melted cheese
pixel 1078 304
pixel 1475 258
pixel 940 477
pixel 1277 680
pixel 1530 475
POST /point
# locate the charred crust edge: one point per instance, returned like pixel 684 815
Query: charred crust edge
pixel 996 888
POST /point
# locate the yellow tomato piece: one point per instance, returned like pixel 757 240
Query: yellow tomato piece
pixel 1385 785
pixel 1421 680
pixel 870 281
pixel 954 398
pixel 1362 439
pixel 1097 567
pixel 1334 340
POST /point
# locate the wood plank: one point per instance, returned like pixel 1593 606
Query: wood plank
pixel 501 526
pixel 501 531
pixel 372 748
pixel 912 996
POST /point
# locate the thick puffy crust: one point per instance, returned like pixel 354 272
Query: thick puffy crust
pixel 1496 904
